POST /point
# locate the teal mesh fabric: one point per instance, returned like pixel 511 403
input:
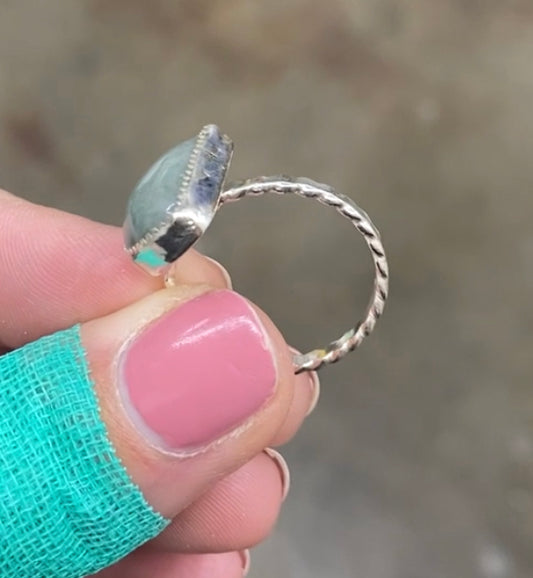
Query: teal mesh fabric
pixel 67 505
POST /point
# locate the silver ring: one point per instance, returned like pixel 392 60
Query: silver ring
pixel 176 200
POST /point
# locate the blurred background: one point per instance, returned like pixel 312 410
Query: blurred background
pixel 418 462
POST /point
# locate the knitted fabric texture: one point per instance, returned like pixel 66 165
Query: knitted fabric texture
pixel 67 505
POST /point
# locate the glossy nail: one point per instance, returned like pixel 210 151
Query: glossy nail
pixel 284 471
pixel 198 372
pixel 313 381
pixel 315 391
pixel 245 559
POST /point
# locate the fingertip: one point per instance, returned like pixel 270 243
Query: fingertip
pixel 222 271
pixel 76 267
pixel 238 512
pixel 193 268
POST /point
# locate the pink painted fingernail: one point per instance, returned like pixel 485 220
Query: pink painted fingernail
pixel 311 378
pixel 198 372
pixel 245 561
pixel 315 391
pixel 284 471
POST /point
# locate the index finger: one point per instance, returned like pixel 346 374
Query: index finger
pixel 58 269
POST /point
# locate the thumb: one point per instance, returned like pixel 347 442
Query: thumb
pixel 192 383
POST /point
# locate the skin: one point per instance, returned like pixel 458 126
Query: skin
pixel 216 510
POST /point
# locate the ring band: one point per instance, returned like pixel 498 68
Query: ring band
pixel 176 200
pixel 325 195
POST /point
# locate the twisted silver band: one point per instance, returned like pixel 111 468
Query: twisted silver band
pixel 324 194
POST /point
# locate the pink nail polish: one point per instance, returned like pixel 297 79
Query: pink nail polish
pixel 311 377
pixel 284 471
pixel 198 372
pixel 245 561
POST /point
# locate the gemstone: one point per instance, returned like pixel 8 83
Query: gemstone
pixel 176 200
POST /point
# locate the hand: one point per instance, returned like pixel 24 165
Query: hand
pixel 193 383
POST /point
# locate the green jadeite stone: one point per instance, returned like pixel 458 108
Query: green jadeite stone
pixel 156 194
pixel 176 200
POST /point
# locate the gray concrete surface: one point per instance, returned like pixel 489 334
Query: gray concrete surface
pixel 418 462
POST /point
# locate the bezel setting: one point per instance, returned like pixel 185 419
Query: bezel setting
pixel 188 211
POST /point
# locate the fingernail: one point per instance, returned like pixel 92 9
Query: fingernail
pixel 223 272
pixel 245 559
pixel 314 384
pixel 315 391
pixel 197 373
pixel 283 470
